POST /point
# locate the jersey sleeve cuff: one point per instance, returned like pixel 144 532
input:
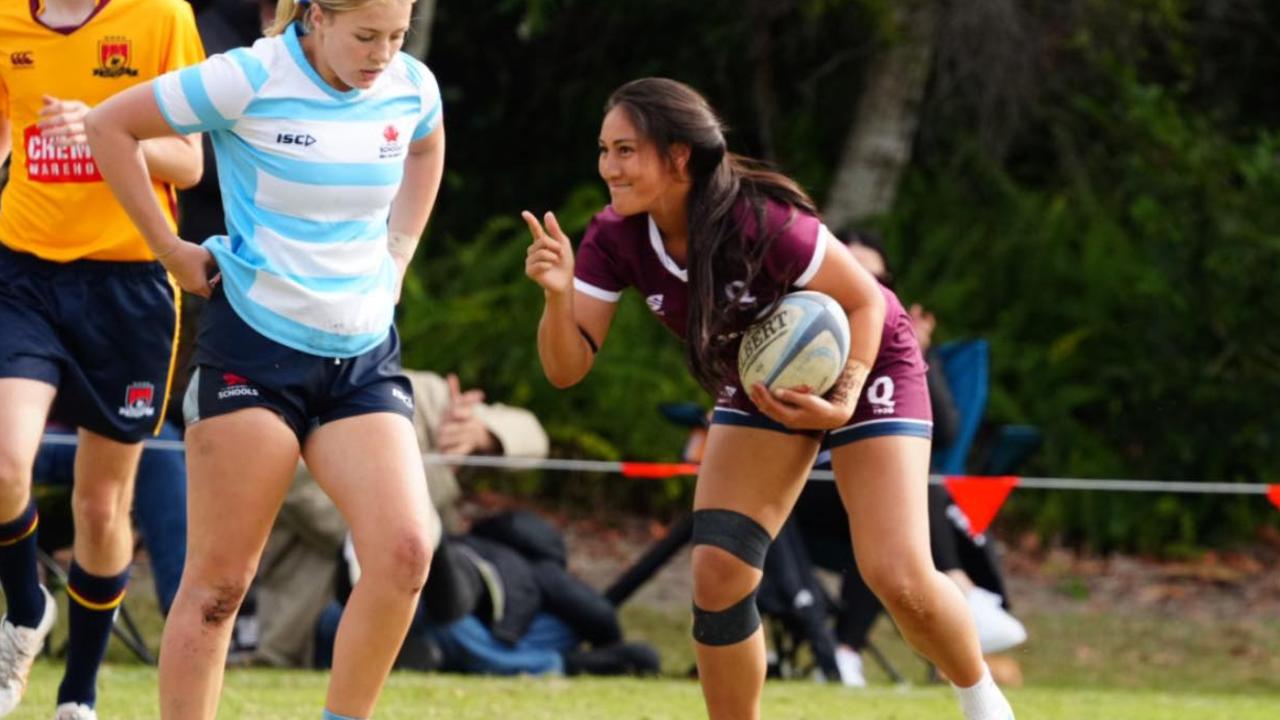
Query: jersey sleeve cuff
pixel 815 262
pixel 587 288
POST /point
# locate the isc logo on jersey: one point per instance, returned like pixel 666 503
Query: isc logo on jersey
pixel 302 139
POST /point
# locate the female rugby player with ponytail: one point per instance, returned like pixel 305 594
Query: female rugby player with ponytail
pixel 330 151
pixel 712 240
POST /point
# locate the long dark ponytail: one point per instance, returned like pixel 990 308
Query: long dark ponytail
pixel 670 113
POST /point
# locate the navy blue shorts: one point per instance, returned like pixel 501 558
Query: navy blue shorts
pixel 101 332
pixel 237 367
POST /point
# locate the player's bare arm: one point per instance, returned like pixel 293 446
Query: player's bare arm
pixel 411 209
pixel 178 160
pixel 115 131
pixel 573 325
pixel 841 277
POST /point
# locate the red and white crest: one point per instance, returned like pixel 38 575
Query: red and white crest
pixel 139 400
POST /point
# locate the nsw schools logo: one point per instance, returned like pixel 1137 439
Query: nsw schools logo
pixel 115 57
pixel 139 400
pixel 234 385
pixel 391 146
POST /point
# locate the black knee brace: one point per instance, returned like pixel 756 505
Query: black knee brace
pixel 746 540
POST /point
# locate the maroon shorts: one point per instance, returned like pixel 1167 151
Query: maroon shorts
pixel 894 400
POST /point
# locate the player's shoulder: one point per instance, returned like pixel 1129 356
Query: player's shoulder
pixel 779 217
pixel 259 62
pixel 410 70
pixel 180 9
pixel 16 15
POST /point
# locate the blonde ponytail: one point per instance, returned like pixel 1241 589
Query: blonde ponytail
pixel 286 12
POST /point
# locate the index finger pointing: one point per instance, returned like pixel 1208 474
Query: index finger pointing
pixel 535 227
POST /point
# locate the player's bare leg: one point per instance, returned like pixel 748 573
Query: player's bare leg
pixel 239 467
pixel 884 482
pixel 371 466
pixel 758 473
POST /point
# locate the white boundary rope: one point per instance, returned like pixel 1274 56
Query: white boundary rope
pixel 662 470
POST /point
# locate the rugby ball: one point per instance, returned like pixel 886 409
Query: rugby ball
pixel 804 341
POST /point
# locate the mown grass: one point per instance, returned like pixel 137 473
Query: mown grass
pixel 129 691
pixel 1079 664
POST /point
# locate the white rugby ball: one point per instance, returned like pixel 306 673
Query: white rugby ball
pixel 804 341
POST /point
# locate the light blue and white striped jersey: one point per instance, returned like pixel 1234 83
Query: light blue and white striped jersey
pixel 307 175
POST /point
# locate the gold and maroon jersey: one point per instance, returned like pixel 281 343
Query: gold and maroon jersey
pixel 56 205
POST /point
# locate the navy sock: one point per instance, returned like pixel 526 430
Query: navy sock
pixel 92 602
pixel 18 569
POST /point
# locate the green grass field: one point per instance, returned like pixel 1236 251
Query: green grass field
pixel 1080 665
pixel 128 691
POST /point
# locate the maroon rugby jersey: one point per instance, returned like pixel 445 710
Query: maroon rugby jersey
pixel 618 252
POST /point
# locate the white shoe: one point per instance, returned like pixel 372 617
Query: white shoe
pixel 997 629
pixel 19 647
pixel 849 663
pixel 74 711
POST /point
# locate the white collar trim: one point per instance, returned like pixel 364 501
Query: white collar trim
pixel 655 239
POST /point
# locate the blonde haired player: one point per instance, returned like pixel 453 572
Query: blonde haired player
pixel 89 317
pixel 330 150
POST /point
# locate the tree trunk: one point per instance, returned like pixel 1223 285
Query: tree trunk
pixel 419 39
pixel 763 15
pixel 878 147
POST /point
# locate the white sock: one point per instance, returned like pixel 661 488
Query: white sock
pixel 849 663
pixel 983 700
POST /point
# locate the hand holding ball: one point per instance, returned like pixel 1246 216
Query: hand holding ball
pixel 803 343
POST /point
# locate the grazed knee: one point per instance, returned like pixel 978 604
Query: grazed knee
pixel 404 564
pixel 222 602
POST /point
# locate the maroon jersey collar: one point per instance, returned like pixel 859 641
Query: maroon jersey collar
pixel 38 5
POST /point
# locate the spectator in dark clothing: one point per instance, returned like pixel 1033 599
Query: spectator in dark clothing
pixel 500 600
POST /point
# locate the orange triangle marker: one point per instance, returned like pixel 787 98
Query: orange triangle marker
pixel 1273 494
pixel 980 498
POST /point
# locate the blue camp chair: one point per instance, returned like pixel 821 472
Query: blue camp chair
pixel 966 364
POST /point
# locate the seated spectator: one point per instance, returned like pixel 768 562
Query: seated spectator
pixel 295 577
pixel 499 600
